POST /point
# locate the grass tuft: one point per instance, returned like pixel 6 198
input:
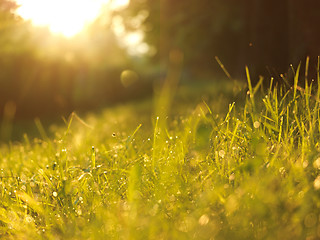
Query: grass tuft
pixel 249 172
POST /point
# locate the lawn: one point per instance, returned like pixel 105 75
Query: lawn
pixel 205 164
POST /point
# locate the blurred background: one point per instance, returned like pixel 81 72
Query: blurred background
pixel 60 56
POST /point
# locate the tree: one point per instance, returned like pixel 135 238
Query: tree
pixel 267 35
pixel 8 24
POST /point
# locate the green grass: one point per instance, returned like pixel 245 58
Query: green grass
pixel 248 170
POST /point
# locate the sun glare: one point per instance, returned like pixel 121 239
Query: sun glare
pixel 66 17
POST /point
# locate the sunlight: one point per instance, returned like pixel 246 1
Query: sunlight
pixel 133 41
pixel 66 17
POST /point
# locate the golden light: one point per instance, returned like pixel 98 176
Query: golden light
pixel 66 17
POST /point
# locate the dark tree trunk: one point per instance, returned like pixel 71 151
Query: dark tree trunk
pixel 268 36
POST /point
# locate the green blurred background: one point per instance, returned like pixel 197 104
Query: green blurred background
pixel 45 75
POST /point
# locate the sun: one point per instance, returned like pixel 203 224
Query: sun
pixel 66 17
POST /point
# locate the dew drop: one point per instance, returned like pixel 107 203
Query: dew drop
pixel 256 124
pixel 204 220
pixel 222 153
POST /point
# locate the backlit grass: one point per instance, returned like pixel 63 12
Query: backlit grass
pixel 250 171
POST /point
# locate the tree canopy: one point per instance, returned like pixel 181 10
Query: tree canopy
pixel 39 71
pixel 266 35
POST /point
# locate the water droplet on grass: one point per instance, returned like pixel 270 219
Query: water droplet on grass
pixel 222 153
pixel 316 163
pixel 256 124
pixel 301 194
pixel 79 211
pixel 310 220
pixel 204 220
pixel 29 219
pixel 282 171
pixel 232 177
pixel 316 183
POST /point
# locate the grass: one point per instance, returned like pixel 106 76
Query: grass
pixel 249 171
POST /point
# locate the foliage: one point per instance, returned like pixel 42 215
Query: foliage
pixel 201 29
pixel 251 172
pixel 264 34
pixel 43 74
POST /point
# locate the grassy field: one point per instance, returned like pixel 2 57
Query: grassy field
pixel 176 168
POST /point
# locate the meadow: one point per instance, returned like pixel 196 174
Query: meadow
pixel 195 164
